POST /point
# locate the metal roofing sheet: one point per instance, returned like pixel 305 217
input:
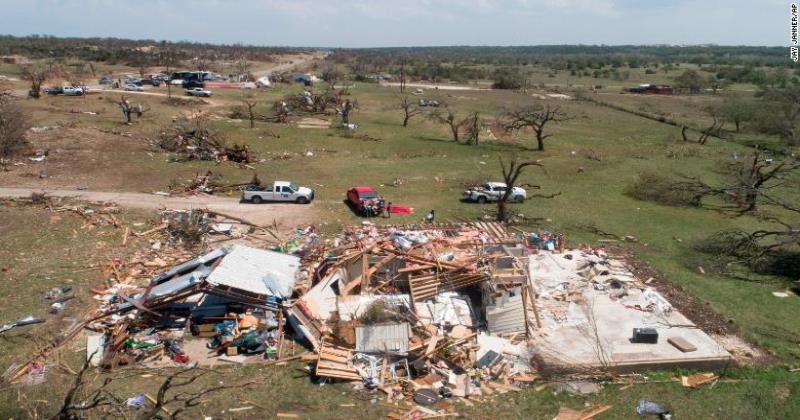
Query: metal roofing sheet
pixel 257 271
pixel 383 337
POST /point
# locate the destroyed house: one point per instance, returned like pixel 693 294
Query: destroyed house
pixel 434 302
pixel 232 275
pixel 422 270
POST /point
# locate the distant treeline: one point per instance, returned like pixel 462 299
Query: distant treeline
pixel 466 63
pixel 130 52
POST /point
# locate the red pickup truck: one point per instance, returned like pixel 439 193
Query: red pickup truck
pixel 366 201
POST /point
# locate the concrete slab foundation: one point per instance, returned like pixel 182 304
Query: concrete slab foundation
pixel 589 306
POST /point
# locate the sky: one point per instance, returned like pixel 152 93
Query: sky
pixel 387 23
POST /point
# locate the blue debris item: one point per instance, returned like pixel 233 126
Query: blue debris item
pixel 645 407
pixel 135 401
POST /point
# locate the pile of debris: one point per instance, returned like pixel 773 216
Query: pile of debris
pixel 197 142
pixel 425 313
pixel 312 102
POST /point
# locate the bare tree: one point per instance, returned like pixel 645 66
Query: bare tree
pixel 347 107
pixel 536 117
pixel 767 251
pixel 250 103
pixel 511 174
pixel 172 398
pixel 75 404
pixel 168 59
pixel 751 180
pixel 715 129
pixel 129 109
pixel 170 393
pixel 755 175
pixel 472 128
pixel 409 108
pixel 402 74
pixel 13 125
pixel 242 67
pixel 203 63
pixel 36 77
pixel 331 75
pixel 451 120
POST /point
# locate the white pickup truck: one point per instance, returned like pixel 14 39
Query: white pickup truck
pixel 492 191
pixel 278 191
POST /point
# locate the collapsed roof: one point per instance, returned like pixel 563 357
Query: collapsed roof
pixel 249 275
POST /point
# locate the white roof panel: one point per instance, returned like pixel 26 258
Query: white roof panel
pixel 257 271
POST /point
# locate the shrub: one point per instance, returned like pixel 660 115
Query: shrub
pixel 664 190
pixel 13 125
pixel 736 248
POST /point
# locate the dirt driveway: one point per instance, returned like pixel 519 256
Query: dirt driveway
pixel 286 215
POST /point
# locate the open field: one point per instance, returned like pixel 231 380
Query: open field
pixel 590 160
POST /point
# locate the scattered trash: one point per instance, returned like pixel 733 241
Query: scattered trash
pixel 645 408
pixel 579 387
pixel 57 292
pixel 136 401
pixel 28 320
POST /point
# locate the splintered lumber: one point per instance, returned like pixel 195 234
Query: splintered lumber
pixel 153 230
pixel 363 279
pixel 495 230
pixel 431 346
pixel 335 362
pixel 426 287
pixel 309 326
pixel 422 260
pixel 565 413
pixel 417 268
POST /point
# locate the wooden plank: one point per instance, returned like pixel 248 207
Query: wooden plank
pixel 417 268
pixel 366 273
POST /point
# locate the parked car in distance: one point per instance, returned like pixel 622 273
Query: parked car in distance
pixel 198 91
pixel 134 88
pixel 55 90
pixel 365 200
pixel 150 81
pixel 278 191
pixel 492 191
pixel 105 80
pixel 193 83
pixel 74 90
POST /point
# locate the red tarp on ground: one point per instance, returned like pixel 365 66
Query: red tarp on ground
pixel 402 210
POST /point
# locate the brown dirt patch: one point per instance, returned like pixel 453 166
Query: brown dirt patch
pixel 313 123
pixel 78 156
